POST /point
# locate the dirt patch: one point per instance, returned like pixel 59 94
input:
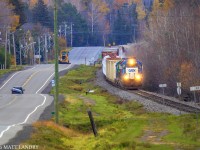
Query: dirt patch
pixel 153 137
pixel 87 101
pixel 121 101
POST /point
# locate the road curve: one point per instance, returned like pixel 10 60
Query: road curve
pixel 19 110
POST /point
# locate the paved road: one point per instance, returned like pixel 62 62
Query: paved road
pixel 19 110
pixel 82 55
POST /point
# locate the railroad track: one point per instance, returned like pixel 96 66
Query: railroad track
pixel 183 106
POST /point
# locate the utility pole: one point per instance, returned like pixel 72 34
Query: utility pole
pixel 9 44
pixel 46 50
pixel 6 42
pixel 60 30
pixel 14 48
pixel 20 52
pixel 65 31
pixel 39 48
pixel 56 61
pixel 49 46
pixel 71 34
pixel 34 53
pixel 92 18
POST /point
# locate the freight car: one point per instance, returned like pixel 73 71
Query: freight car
pixel 110 51
pixel 123 72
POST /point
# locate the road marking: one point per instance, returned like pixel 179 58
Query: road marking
pixel 1 134
pixel 8 103
pixel 30 78
pixel 12 77
pixel 26 119
pixel 50 78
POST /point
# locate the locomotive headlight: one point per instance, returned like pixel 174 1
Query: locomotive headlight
pixel 126 77
pixel 138 77
pixel 131 62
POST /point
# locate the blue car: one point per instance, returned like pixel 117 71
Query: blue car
pixel 17 90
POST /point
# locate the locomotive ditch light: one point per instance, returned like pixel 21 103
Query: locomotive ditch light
pixel 138 77
pixel 131 62
pixel 126 77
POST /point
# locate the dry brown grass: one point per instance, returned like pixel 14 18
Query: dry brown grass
pixel 54 126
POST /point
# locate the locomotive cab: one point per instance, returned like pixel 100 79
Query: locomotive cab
pixel 129 73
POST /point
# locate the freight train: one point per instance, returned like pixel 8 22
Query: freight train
pixel 126 72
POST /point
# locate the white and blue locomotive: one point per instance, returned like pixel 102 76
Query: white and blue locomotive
pixel 129 73
pixel 124 72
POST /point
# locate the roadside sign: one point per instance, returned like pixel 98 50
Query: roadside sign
pixel 195 88
pixel 38 56
pixel 52 82
pixel 178 84
pixel 179 90
pixel 162 85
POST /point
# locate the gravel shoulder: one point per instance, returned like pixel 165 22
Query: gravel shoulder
pixel 148 104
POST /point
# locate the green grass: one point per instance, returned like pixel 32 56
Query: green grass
pixel 12 69
pixel 121 125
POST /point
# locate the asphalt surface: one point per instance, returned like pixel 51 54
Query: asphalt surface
pixel 85 55
pixel 19 110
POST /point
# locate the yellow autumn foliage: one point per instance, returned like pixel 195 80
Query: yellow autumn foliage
pixel 101 6
pixel 186 75
pixel 62 43
pixel 33 2
pixel 15 22
pixel 141 12
pixel 140 9
pixel 164 6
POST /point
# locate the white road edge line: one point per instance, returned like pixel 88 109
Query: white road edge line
pixel 1 135
pixel 25 119
pixel 12 77
pixel 50 78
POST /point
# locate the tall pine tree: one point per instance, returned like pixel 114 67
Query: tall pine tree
pixel 125 25
pixel 41 14
pixel 19 10
pixel 68 14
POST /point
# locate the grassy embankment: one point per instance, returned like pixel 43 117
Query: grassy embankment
pixel 120 124
pixel 12 68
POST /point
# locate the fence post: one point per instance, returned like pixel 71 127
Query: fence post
pixel 92 123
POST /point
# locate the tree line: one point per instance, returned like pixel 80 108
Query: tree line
pixel 170 50
pixel 81 22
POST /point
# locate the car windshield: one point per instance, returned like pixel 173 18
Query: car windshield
pixel 18 88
